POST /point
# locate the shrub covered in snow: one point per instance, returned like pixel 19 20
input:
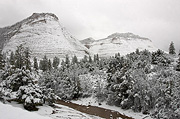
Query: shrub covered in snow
pixel 66 86
pixel 18 82
pixel 31 96
pixel 144 82
pixel 16 78
pixel 178 64
pixel 160 58
pixel 93 84
pixel 19 86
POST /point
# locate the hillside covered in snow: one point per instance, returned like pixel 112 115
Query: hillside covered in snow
pixel 43 34
pixel 123 43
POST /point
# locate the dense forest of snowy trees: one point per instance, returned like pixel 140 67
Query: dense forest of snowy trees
pixel 142 81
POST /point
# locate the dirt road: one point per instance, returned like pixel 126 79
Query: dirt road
pixel 94 110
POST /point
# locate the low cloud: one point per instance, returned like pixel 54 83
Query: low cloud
pixel 155 19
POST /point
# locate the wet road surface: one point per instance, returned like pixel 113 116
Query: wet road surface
pixel 94 110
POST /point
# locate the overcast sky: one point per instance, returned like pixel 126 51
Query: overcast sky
pixel 158 20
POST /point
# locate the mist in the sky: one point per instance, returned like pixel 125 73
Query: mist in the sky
pixel 159 20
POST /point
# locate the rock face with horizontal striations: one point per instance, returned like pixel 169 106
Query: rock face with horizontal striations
pixel 123 43
pixel 44 35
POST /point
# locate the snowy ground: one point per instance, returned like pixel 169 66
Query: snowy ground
pixel 64 112
pixel 10 112
pixel 16 111
pixel 93 102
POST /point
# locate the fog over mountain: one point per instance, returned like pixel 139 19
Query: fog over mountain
pixel 157 20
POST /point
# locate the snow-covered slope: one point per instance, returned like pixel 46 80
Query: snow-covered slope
pixel 44 35
pixel 123 43
pixel 10 112
pixel 15 111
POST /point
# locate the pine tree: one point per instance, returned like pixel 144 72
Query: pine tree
pixel 137 51
pixel 116 55
pixel 178 65
pixel 11 59
pixel 43 65
pixel 63 65
pixel 49 65
pixel 67 61
pixel 2 62
pixel 35 63
pixel 85 59
pixel 95 58
pixel 27 59
pixel 74 60
pixel 172 48
pixel 90 59
pixel 19 57
pixel 56 62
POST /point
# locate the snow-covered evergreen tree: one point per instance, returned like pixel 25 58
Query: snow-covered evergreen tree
pixel 96 58
pixel 74 59
pixel 43 65
pixel 90 59
pixel 31 96
pixel 67 61
pixel 20 86
pixel 85 59
pixel 137 51
pixel 2 61
pixel 49 65
pixel 160 58
pixel 178 65
pixel 172 48
pixel 19 83
pixel 56 62
pixel 19 57
pixel 27 58
pixel 64 84
pixel 35 64
pixel 11 59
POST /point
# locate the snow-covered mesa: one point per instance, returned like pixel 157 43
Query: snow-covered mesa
pixel 44 35
pixel 123 43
